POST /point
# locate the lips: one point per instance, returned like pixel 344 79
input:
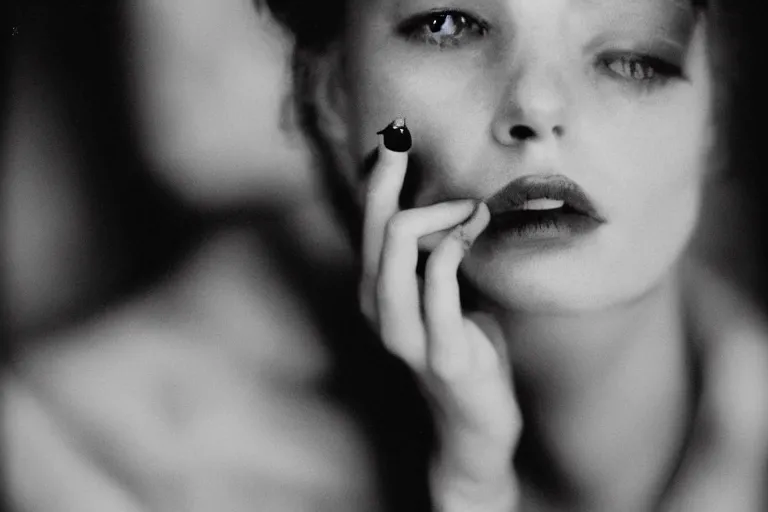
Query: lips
pixel 539 208
pixel 543 193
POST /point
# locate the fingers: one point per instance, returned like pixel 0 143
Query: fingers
pixel 487 327
pixel 384 186
pixel 430 242
pixel 421 320
pixel 397 292
pixel 390 294
pixel 444 320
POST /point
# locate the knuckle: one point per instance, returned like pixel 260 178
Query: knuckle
pixel 399 226
pixel 458 240
pixel 445 368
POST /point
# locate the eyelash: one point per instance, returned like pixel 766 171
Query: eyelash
pixel 651 70
pixel 419 28
pixel 640 69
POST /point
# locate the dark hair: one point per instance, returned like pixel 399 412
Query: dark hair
pixel 315 26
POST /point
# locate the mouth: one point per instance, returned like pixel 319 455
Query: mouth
pixel 534 208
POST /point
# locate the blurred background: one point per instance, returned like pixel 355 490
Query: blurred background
pixel 173 280
pixel 117 117
pixel 133 131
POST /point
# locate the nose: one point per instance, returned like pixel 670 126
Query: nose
pixel 533 107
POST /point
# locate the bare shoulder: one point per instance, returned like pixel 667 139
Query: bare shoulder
pixel 726 466
pixel 733 331
pixel 167 406
pixel 45 467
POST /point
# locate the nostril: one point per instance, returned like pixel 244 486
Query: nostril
pixel 522 132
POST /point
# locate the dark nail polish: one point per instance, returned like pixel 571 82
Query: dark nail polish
pixel 397 137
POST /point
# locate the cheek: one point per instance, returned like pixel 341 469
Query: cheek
pixel 447 104
pixel 652 147
pixel 657 155
pixel 648 160
pixel 651 155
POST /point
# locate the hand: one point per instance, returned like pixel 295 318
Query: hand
pixel 463 373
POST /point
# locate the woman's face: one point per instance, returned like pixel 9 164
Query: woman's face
pixel 613 94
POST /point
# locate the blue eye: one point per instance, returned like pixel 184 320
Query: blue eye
pixel 640 68
pixel 444 29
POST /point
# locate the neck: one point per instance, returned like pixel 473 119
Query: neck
pixel 603 396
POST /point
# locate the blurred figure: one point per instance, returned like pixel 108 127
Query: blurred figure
pixel 209 81
pixel 198 355
pixel 72 243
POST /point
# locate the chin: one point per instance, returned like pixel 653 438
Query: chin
pixel 612 266
pixel 561 283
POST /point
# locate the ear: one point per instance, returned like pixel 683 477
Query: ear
pixel 324 90
pixel 330 97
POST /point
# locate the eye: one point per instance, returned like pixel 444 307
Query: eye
pixel 443 28
pixel 640 68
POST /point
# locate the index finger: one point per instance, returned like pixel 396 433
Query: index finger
pixel 383 193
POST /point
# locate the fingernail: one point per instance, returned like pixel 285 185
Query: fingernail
pixel 397 137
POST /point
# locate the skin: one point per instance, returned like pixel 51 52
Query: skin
pixel 591 328
pixel 620 142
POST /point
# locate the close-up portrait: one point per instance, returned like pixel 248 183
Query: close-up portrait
pixel 383 256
